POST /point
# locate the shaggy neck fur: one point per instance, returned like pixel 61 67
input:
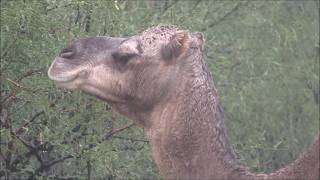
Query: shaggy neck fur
pixel 191 142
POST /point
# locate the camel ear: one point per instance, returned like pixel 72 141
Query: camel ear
pixel 178 45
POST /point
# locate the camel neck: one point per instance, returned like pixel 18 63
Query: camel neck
pixel 190 139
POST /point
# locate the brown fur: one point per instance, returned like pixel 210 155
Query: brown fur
pixel 160 80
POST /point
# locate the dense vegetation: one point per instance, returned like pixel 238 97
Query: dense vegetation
pixel 264 57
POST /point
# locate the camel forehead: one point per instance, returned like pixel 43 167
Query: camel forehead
pixel 153 38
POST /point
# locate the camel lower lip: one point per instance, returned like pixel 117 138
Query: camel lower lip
pixel 63 85
pixel 62 79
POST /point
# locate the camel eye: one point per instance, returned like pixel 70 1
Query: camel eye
pixel 122 58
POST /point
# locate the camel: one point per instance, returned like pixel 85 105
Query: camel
pixel 160 80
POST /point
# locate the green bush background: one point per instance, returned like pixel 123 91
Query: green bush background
pixel 264 57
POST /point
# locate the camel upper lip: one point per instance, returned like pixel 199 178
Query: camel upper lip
pixel 56 72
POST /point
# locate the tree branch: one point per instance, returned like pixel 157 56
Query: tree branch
pixel 32 149
pixel 47 166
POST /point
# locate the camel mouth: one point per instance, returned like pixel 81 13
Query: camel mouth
pixel 61 78
pixel 61 72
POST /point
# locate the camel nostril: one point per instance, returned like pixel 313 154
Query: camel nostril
pixel 66 53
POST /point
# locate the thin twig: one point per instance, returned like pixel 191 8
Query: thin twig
pixel 5 51
pixel 232 11
pixel 167 7
pixel 15 82
pixel 2 156
pixel 20 130
pixel 57 7
pixel 196 4
pixel 19 85
pixel 29 73
pixel 107 136
pixel 130 139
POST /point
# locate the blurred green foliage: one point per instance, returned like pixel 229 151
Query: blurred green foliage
pixel 264 57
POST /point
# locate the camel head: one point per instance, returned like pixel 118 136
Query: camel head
pixel 137 71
